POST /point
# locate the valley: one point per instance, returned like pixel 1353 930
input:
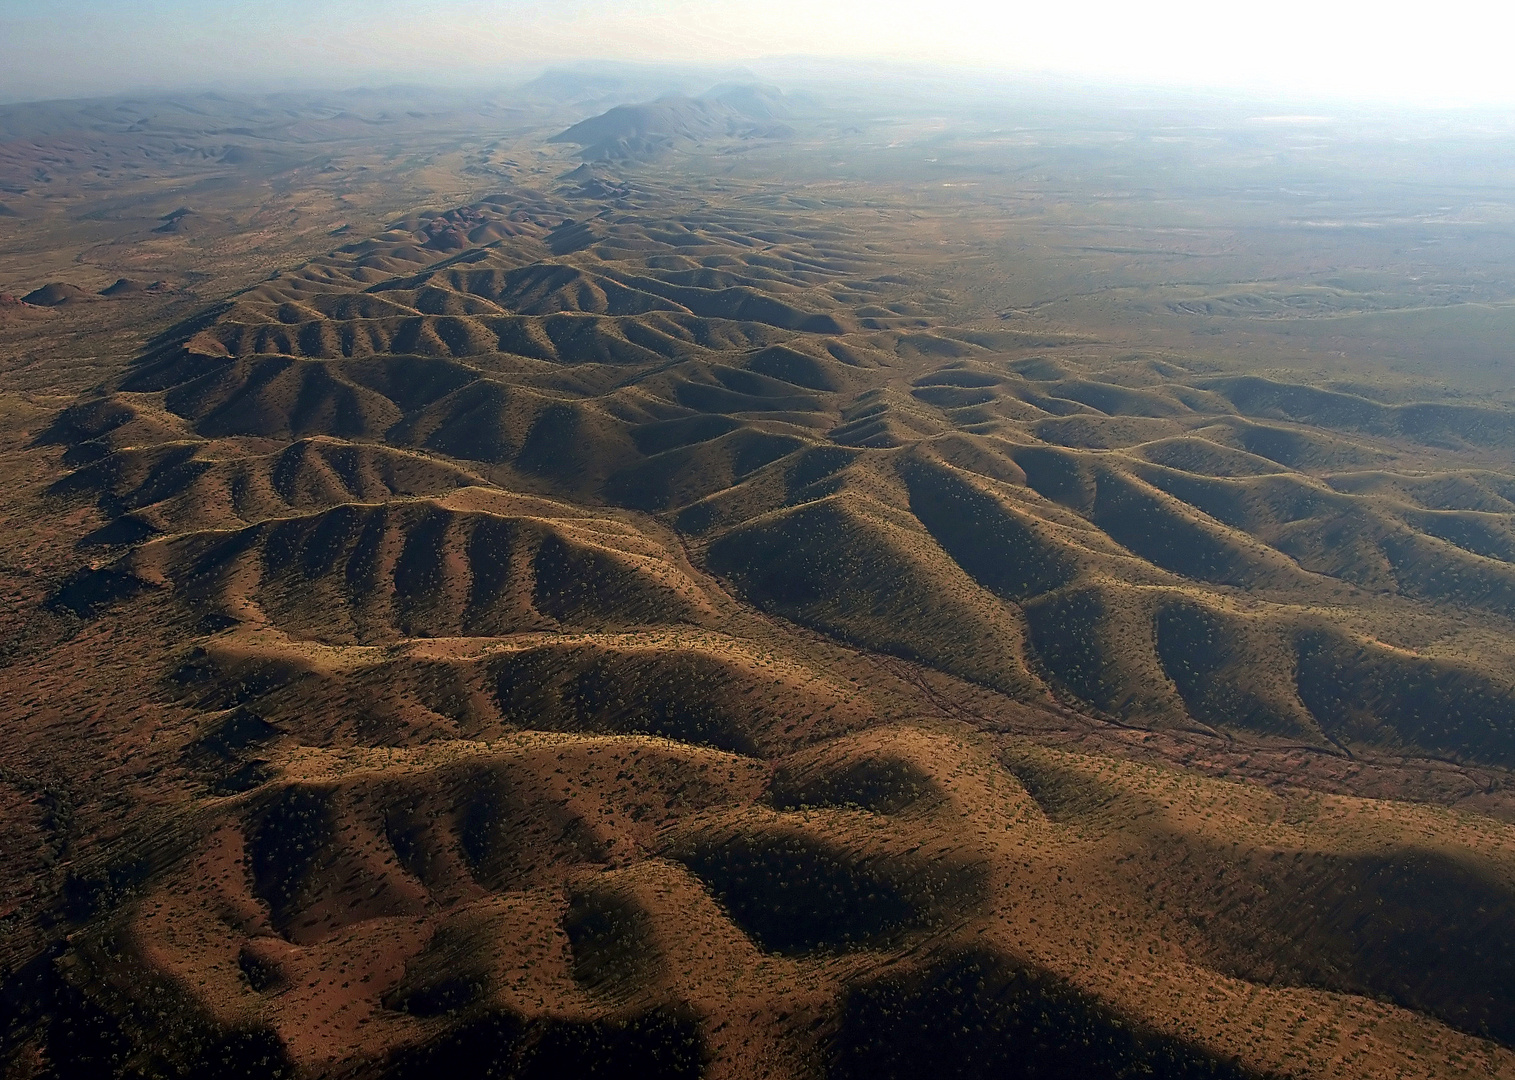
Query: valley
pixel 747 588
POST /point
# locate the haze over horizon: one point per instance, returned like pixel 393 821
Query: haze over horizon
pixel 1347 49
pixel 681 540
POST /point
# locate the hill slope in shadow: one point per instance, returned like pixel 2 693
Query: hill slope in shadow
pixel 632 634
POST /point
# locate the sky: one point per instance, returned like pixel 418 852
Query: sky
pixel 1428 54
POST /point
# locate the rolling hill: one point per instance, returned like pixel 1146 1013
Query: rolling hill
pixel 607 630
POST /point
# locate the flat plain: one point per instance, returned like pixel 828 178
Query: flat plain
pixel 736 584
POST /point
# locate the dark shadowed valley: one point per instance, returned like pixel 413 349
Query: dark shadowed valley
pixel 664 575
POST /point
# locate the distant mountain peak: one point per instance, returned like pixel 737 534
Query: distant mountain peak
pixel 649 129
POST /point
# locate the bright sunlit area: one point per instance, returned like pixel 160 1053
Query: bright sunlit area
pixel 775 540
pixel 1453 54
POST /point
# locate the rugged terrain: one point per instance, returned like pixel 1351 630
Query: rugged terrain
pixel 701 608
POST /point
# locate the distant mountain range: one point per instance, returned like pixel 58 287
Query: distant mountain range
pixel 650 129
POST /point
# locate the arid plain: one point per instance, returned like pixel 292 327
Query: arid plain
pixel 846 584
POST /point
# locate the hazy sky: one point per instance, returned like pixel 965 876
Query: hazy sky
pixel 1432 53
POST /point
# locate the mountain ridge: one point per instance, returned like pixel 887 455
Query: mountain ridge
pixel 650 129
pixel 639 626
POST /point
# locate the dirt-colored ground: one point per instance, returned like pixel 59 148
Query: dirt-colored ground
pixel 717 613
